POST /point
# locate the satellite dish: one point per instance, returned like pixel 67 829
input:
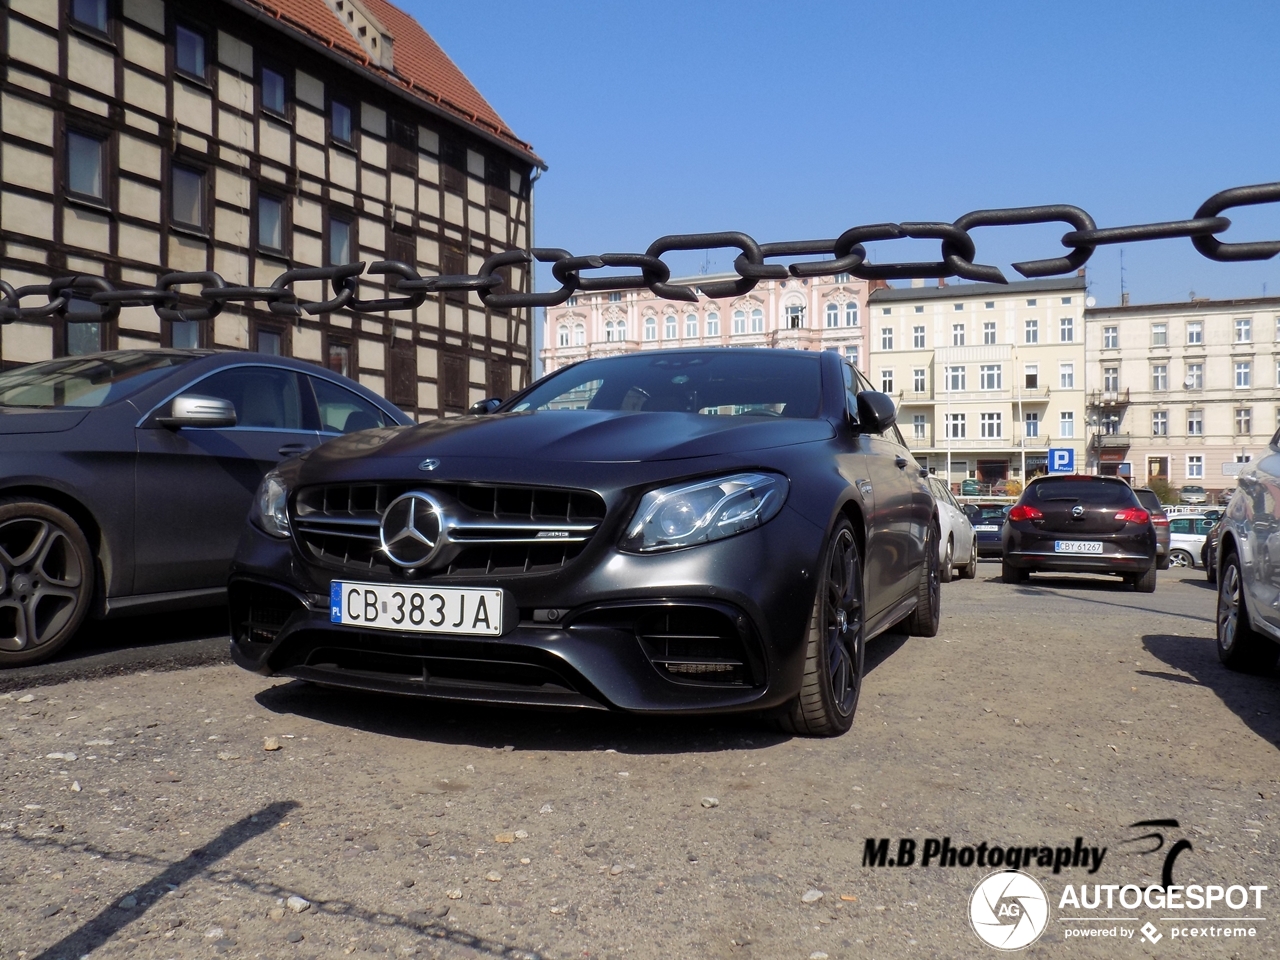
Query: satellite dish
pixel 1189 382
pixel 1090 302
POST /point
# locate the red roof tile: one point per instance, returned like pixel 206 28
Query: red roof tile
pixel 421 67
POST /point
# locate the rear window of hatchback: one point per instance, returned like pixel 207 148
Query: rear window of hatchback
pixel 1082 490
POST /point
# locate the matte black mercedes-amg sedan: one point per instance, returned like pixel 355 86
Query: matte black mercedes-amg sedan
pixel 666 531
pixel 125 477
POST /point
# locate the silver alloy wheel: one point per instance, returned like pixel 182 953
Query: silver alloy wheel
pixel 1179 558
pixel 1229 607
pixel 41 582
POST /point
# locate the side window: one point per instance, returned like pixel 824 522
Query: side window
pixel 263 397
pixel 343 410
pixel 1179 525
pixel 851 389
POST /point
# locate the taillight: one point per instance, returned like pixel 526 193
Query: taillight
pixel 1024 512
pixel 1160 521
pixel 1133 515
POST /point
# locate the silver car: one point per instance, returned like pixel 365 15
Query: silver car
pixel 1248 559
pixel 956 547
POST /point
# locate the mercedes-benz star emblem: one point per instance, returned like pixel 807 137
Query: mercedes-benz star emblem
pixel 429 464
pixel 1077 511
pixel 411 529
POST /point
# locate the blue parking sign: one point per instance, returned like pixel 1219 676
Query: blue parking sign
pixel 1062 460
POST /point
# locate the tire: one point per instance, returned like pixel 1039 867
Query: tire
pixel 1011 574
pixel 925 618
pixel 1147 582
pixel 1240 647
pixel 46 580
pixel 1211 572
pixel 947 570
pixel 1181 559
pixel 835 648
pixel 970 570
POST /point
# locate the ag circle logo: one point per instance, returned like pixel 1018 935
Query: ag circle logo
pixel 1009 910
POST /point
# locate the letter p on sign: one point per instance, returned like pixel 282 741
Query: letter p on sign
pixel 1062 460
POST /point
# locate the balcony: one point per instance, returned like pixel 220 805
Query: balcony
pixel 1109 398
pixel 1110 441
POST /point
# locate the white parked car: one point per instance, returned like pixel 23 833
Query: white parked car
pixel 957 547
pixel 1186 538
pixel 1193 494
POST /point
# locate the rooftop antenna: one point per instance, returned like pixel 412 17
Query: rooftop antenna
pixel 706 263
pixel 1124 294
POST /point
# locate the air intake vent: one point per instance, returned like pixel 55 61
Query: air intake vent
pixel 694 645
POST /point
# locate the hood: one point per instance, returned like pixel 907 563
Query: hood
pixel 15 420
pixel 587 436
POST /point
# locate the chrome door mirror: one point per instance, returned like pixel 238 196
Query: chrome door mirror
pixel 193 410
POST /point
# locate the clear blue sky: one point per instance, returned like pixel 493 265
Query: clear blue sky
pixel 793 120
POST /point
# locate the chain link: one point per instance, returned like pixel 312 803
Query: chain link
pixel 68 297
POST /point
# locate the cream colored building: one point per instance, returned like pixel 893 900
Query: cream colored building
pixel 987 377
pixel 1182 391
pixel 820 313
pixel 143 136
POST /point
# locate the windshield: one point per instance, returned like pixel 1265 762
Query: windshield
pixel 728 383
pixel 85 381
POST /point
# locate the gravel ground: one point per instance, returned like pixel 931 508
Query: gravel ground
pixel 209 812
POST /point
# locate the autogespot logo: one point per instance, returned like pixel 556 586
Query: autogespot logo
pixel 1009 910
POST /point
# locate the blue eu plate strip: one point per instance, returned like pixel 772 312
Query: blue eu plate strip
pixel 335 602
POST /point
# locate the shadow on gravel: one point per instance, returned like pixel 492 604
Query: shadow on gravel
pixel 1254 698
pixel 527 728
pixel 1040 585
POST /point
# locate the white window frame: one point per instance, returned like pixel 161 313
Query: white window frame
pixel 956 426
pixel 919 424
pixel 988 331
pixel 1067 330
pixel 918 380
pixel 670 327
pixel 1159 423
pixel 851 314
pixel 713 324
pixel 1160 334
pixel 757 320
pixel 956 378
pixel 991 426
pixel 1110 338
pixel 1066 424
pixel 1160 377
pixel 886 338
pixel 886 380
pixel 991 376
pixel 691 326
pixel 1066 376
pixel 1195 423
pixel 1195 466
pixel 1031 330
pixel 957 334
pixel 917 337
pixel 833 315
pixel 1244 374
pixel 1031 424
pixel 1243 330
pixel 1195 332
pixel 1195 373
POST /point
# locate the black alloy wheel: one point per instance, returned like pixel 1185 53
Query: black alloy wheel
pixel 925 618
pixel 1240 647
pixel 46 580
pixel 835 651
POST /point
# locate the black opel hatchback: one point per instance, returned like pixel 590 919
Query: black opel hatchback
pixel 1080 524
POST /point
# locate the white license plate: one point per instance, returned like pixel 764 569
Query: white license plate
pixel 986 528
pixel 1077 546
pixel 385 606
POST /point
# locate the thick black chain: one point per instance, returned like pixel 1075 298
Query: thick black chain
pixel 91 299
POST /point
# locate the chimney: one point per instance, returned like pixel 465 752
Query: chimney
pixel 1124 299
pixel 1080 272
pixel 942 282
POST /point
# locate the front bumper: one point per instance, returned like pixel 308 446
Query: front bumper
pixel 748 598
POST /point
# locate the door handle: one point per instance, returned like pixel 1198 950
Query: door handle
pixel 293 449
pixel 901 462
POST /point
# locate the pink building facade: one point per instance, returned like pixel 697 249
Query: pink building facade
pixel 823 313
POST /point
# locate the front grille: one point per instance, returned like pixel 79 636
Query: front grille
pixel 493 530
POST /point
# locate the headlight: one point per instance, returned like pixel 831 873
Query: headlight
pixel 270 508
pixel 684 515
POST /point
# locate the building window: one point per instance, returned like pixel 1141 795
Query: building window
pixel 691 326
pixel 184 334
pixel 651 328
pixel 739 321
pixel 339 358
pixel 1195 467
pixel 1159 376
pixel 1195 423
pixel 562 335
pixel 669 328
pixel 1031 331
pixel 1110 379
pixel 1110 338
pixel 340 122
pixel 886 381
pixel 1159 334
pixel 1195 376
pixel 83 338
pixel 85 163
pixel 958 306
pixel 339 240
pixel 188 51
pixel 1159 423
pixel 272 91
pixel 1066 424
pixel 1195 332
pixel 833 314
pixel 957 334
pixel 270 223
pixel 955 426
pixel 917 379
pixel 1066 301
pixel 917 338
pixel 1031 372
pixel 1067 330
pixel 988 331
pixel 267 341
pixel 571 302
pixel 1244 330
pixel 917 426
pixel 1031 302
pixel 794 313
pixel 620 328
pixel 918 310
pixel 991 426
pixel 1244 374
pixel 90 13
pixel 886 338
pixel 615 297
pixel 188 197
pixel 579 335
pixel 989 376
pixel 757 320
pixel 842 278
pixel 850 314
pixel 1244 421
pixel 851 353
pixel 990 305
pixel 1067 376
pixel 888 310
pixel 713 324
pixel 955 378
pixel 608 331
pixel 1032 424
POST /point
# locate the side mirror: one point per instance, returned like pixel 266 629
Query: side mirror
pixel 876 411
pixel 193 410
pixel 487 405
